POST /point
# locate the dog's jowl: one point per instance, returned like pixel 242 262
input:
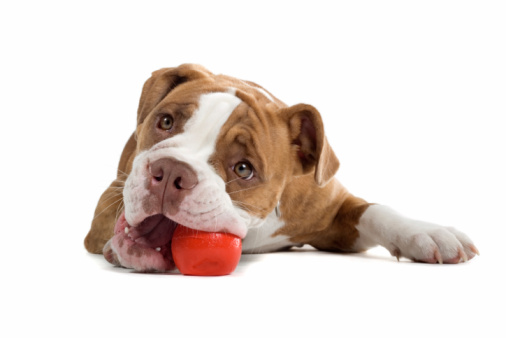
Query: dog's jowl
pixel 215 153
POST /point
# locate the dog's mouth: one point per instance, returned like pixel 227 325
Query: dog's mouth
pixel 154 232
pixel 145 247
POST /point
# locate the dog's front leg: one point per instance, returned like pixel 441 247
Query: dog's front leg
pixel 110 205
pixel 416 240
pixel 108 210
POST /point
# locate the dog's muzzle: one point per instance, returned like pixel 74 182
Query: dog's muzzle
pixel 171 182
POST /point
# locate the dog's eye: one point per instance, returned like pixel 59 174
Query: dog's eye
pixel 244 170
pixel 166 122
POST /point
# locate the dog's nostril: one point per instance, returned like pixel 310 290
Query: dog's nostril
pixel 177 183
pixel 158 178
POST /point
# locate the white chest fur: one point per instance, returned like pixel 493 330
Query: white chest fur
pixel 259 239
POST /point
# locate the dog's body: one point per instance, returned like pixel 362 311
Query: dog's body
pixel 219 154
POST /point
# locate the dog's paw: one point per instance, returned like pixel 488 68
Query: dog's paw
pixel 430 243
pixel 110 255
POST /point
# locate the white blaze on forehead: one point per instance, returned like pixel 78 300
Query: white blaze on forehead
pixel 204 126
pixel 201 131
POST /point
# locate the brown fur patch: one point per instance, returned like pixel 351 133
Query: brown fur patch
pixel 325 218
pixel 320 214
pixel 259 137
pixel 341 235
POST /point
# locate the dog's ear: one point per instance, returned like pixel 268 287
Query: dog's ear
pixel 311 147
pixel 162 82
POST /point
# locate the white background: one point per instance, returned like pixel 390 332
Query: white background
pixel 413 98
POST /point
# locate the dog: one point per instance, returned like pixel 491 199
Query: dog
pixel 219 154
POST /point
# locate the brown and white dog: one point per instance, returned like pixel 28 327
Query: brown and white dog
pixel 216 153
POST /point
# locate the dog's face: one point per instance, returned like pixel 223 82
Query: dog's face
pixel 214 153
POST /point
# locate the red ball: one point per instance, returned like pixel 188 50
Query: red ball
pixel 201 253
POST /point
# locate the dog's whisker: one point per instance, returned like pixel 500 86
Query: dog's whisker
pixel 249 204
pixel 110 205
pixel 119 197
pixel 256 213
pixel 113 190
pixel 110 196
pixel 119 210
pixel 122 172
pixel 246 204
pixel 235 179
pixel 245 207
pixel 233 192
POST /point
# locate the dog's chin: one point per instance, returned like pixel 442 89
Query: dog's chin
pixel 145 247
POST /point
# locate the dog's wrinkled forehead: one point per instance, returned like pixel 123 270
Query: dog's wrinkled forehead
pixel 195 131
pixel 173 100
pixel 199 109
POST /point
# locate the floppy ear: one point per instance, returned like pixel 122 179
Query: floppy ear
pixel 312 149
pixel 162 82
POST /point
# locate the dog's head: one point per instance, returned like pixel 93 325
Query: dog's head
pixel 215 153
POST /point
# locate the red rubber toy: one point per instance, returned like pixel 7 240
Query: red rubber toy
pixel 201 253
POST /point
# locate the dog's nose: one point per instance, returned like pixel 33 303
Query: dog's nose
pixel 171 179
